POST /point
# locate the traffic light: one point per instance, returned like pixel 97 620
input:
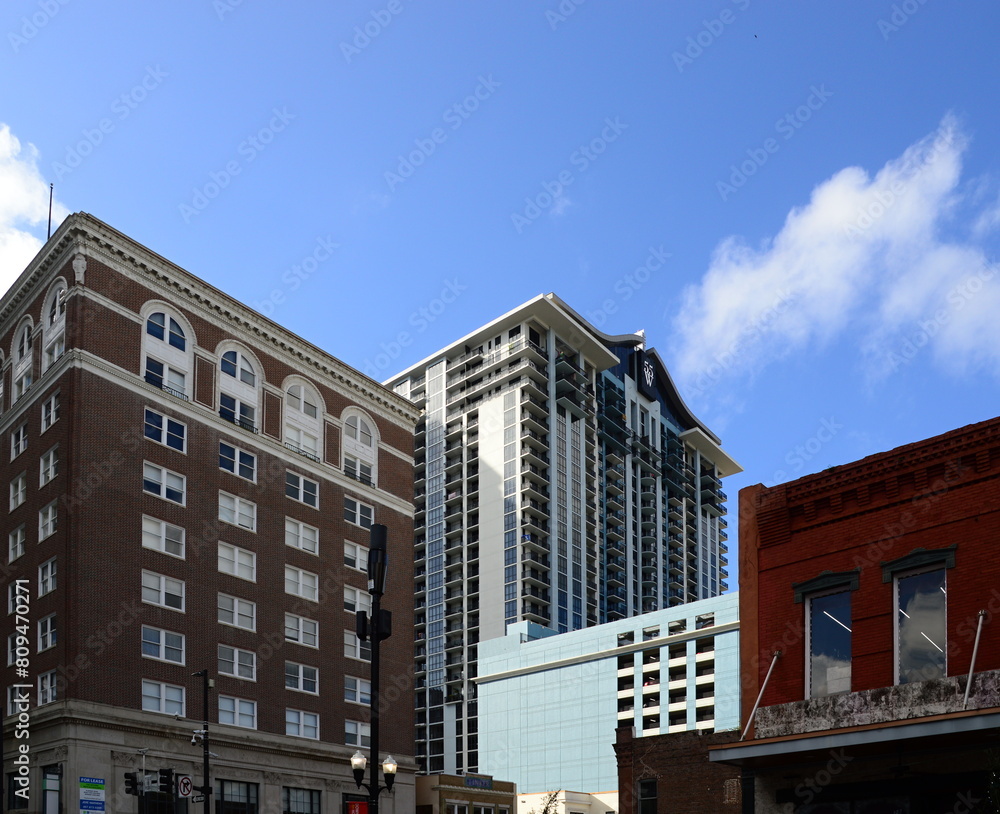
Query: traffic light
pixel 167 781
pixel 132 783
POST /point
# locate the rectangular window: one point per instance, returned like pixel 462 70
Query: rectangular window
pixel 162 644
pixel 647 797
pixel 237 511
pixel 47 688
pixel 21 385
pixel 48 521
pixel 358 513
pixel 237 411
pixel 14 802
pixel 47 577
pixel 301 724
pixel 162 536
pixel 357 469
pixel 301 630
pixel 301 536
pixel 165 377
pixel 921 616
pixel 54 352
pixel 236 662
pixel 165 698
pixel 235 460
pixel 48 466
pixel 50 411
pixel 301 583
pixel 18 490
pixel 15 543
pixel 11 649
pixel 357 690
pixel 357 733
pixel 302 489
pixel 355 556
pixel 165 430
pixel 301 677
pixel 164 591
pixel 302 441
pixel 829 634
pixel 163 483
pixel 18 441
pixel 47 632
pixel 299 801
pixel 237 561
pixel 237 712
pixel 356 599
pixel 237 612
pixel 355 648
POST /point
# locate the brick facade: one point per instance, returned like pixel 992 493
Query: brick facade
pixel 111 285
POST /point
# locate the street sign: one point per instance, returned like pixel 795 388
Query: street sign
pixel 198 798
pixel 185 785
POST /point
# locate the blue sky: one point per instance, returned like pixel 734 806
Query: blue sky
pixel 798 202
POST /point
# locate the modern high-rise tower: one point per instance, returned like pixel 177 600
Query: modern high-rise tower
pixel 560 479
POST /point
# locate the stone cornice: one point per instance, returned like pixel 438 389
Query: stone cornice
pixel 85 234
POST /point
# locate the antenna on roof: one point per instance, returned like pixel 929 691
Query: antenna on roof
pixel 50 213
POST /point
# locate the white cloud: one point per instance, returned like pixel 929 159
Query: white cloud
pixel 24 203
pixel 865 257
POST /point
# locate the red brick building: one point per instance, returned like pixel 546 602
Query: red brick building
pixel 190 488
pixel 874 581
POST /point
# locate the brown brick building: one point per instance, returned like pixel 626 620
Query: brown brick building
pixel 875 581
pixel 190 487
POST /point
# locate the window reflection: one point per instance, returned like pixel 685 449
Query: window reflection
pixel 920 627
pixel 830 644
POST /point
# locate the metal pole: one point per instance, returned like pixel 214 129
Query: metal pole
pixel 774 660
pixel 972 664
pixel 376 640
pixel 204 743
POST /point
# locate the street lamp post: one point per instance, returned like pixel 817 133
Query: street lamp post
pixel 377 628
pixel 206 789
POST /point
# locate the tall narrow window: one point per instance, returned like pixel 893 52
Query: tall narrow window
pixel 829 634
pixel 167 361
pixel 921 603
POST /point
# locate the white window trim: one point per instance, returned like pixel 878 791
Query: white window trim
pixel 301 726
pixel 163 484
pixel 301 489
pixel 237 452
pixel 48 516
pixel 300 524
pixel 164 431
pixel 238 502
pixel 298 627
pixel 236 564
pixel 300 677
pixel 52 688
pixel 236 711
pixel 236 662
pixel 357 512
pixel 52 404
pixel 162 537
pixel 52 632
pixel 163 645
pixel 21 493
pixel 358 691
pixel 53 576
pixel 362 726
pixel 162 698
pixel 361 559
pixel 51 466
pixel 237 603
pixel 162 591
pixel 299 572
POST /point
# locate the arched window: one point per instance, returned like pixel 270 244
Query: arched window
pixel 166 329
pixel 55 324
pixel 22 373
pixel 167 361
pixel 235 364
pixel 303 425
pixel 360 449
pixel 238 394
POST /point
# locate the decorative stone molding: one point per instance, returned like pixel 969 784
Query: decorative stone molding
pixel 80 268
pixel 127 759
pixel 274 778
